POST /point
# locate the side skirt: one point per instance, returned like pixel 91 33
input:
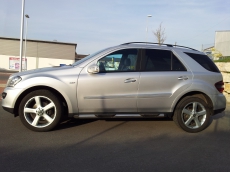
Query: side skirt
pixel 121 115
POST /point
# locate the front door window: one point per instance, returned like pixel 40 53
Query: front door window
pixel 119 61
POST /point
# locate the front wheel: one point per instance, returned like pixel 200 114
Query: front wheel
pixel 40 110
pixel 192 114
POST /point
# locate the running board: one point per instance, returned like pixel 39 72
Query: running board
pixel 90 116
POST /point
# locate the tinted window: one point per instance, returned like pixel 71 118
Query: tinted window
pixel 204 61
pixel 122 60
pixel 162 60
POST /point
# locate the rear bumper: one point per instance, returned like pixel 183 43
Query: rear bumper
pixel 218 111
pixel 219 103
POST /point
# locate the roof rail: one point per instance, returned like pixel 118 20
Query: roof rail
pixel 185 47
pixel 168 45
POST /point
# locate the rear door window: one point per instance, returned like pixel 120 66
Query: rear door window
pixel 161 60
pixel 204 61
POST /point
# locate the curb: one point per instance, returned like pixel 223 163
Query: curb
pixel 3 73
pixel 8 71
pixel 3 85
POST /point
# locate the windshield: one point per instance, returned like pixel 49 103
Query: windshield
pixel 87 57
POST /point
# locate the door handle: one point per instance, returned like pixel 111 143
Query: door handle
pixel 182 78
pixel 130 80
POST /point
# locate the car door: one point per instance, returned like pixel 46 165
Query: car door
pixel 114 88
pixel 163 77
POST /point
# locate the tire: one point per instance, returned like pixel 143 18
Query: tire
pixel 40 110
pixel 192 114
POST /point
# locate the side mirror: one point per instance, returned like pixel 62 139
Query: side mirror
pixel 93 69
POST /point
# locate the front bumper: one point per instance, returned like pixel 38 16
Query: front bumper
pixel 10 110
pixel 9 98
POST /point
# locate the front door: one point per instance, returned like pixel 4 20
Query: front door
pixel 114 88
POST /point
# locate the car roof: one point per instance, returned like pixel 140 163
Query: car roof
pixel 157 46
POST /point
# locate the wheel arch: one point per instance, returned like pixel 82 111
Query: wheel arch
pixel 198 94
pixel 25 92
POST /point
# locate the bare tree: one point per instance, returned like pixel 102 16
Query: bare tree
pixel 160 34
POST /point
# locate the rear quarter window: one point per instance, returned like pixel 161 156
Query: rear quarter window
pixel 204 61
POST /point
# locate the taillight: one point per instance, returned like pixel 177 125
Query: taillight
pixel 220 86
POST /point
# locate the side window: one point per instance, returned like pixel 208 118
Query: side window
pixel 122 60
pixel 162 60
pixel 204 61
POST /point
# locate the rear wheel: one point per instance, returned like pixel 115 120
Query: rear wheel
pixel 40 110
pixel 192 114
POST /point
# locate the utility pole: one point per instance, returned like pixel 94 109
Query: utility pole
pixel 21 37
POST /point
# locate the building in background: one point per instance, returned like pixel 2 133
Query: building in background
pixel 79 56
pixel 38 54
pixel 222 42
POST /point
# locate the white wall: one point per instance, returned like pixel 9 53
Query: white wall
pixel 32 62
pixel 222 42
pixel 4 62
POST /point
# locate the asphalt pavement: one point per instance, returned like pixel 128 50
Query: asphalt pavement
pixel 115 145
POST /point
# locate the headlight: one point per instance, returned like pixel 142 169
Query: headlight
pixel 13 81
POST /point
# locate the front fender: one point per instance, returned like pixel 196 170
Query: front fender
pixel 65 86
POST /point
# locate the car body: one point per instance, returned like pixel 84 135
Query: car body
pixel 129 80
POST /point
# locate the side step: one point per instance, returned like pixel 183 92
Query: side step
pixel 90 116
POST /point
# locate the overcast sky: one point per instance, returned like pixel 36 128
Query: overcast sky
pixel 97 24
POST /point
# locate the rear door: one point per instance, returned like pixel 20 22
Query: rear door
pixel 163 77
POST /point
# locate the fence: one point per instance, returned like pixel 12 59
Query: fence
pixel 225 70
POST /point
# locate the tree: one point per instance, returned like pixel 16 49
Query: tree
pixel 216 54
pixel 160 34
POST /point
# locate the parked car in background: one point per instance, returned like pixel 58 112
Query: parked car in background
pixel 136 79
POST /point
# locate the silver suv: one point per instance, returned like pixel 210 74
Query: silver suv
pixel 130 80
